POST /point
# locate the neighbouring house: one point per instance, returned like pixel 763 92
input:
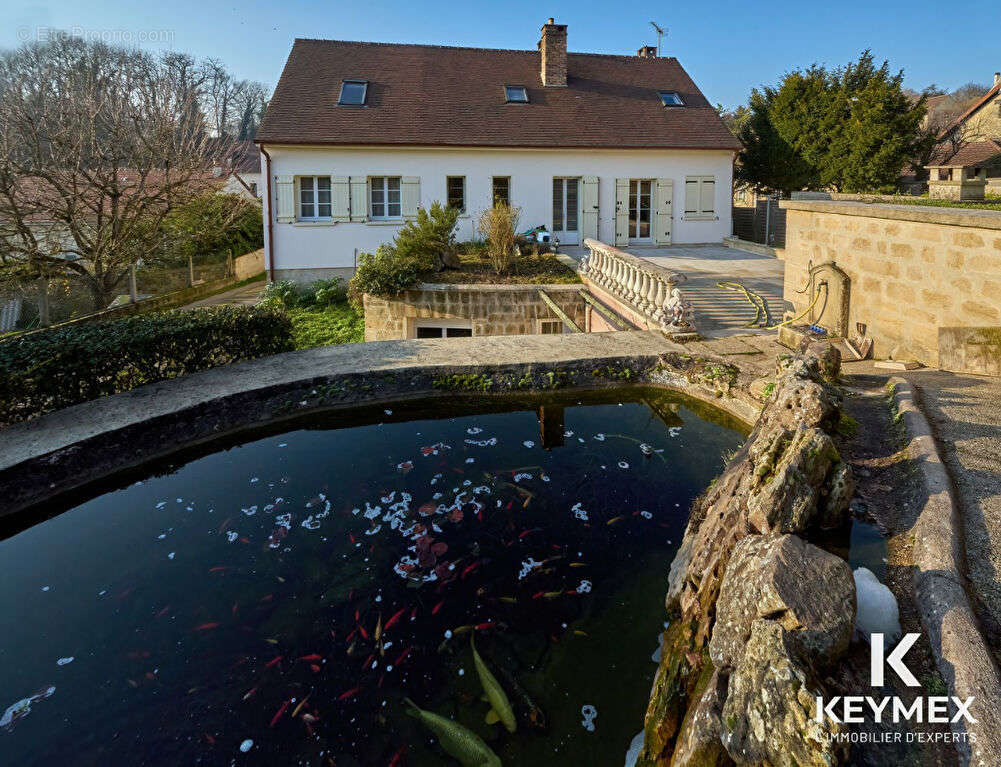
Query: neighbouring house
pixel 358 136
pixel 242 171
pixel 964 173
pixel 965 164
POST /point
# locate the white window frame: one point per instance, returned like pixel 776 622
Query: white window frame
pixel 381 183
pixel 443 325
pixel 463 178
pixel 314 182
pixel 700 214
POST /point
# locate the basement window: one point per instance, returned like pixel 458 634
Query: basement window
pixel 353 93
pixel 516 94
pixel 670 99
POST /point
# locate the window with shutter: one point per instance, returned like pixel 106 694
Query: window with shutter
pixel 700 198
pixel 314 198
pixel 386 200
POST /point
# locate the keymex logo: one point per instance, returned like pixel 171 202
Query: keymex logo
pixel 853 709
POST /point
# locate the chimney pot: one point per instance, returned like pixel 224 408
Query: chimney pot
pixel 553 50
pixel 647 52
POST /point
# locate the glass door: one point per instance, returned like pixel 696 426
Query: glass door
pixel 565 209
pixel 640 203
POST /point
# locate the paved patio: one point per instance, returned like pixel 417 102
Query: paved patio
pixel 719 312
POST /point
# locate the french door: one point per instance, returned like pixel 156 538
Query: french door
pixel 565 208
pixel 640 205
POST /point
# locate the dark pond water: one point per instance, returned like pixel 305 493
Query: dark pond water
pixel 292 589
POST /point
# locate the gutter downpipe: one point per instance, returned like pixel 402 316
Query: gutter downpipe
pixel 271 234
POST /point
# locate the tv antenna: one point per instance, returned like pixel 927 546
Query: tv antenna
pixel 660 33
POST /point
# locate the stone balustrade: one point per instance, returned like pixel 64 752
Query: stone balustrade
pixel 649 289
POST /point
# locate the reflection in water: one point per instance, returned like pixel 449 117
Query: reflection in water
pixel 275 601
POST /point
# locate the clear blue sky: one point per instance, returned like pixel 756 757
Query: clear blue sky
pixel 727 48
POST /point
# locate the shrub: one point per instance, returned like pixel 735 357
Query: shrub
pixel 382 273
pixel 429 240
pixel 290 295
pixel 328 292
pixel 498 225
pixel 52 369
pixel 284 293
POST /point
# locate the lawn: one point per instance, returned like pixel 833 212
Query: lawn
pixel 322 326
pixel 541 269
pixel 991 203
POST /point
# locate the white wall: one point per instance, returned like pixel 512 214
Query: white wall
pixel 303 245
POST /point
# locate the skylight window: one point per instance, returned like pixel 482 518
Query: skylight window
pixel 353 93
pixel 516 94
pixel 670 99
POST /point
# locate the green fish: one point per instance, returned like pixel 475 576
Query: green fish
pixel 501 706
pixel 460 742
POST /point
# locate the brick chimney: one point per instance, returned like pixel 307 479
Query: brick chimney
pixel 997 78
pixel 647 52
pixel 553 47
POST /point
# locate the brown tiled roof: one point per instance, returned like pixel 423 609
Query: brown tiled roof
pixel 974 153
pixel 994 91
pixel 441 96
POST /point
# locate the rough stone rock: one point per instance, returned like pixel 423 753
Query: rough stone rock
pixel 700 743
pixel 768 717
pixel 806 590
pixel 789 479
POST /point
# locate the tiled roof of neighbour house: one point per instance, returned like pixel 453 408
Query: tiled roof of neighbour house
pixel 973 108
pixel 442 96
pixel 974 153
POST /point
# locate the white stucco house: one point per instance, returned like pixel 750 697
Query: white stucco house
pixel 358 136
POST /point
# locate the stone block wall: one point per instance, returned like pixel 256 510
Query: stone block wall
pixel 913 269
pixel 493 310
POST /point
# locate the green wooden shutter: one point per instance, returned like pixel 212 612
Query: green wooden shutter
pixel 340 198
pixel 622 211
pixel 410 195
pixel 662 211
pixel 359 198
pixel 707 196
pixel 691 196
pixel 589 208
pixel 284 199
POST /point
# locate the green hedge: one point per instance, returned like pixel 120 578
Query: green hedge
pixel 52 369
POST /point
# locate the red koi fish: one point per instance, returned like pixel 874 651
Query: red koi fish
pixel 484 625
pixel 314 668
pixel 312 657
pixel 469 569
pixel 437 607
pixel 163 612
pixel 362 631
pixel 349 694
pixel 403 657
pixel 368 661
pixel 274 661
pixel 220 568
pixel 206 626
pixel 528 532
pixel 393 619
pixel 278 714
pixel 398 757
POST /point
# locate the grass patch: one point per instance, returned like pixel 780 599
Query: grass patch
pixel 541 269
pixel 326 325
pixel 991 203
pixel 847 426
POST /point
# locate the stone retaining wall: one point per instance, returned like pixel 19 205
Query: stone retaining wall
pixel 492 310
pixel 913 269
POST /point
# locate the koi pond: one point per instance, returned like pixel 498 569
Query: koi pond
pixel 276 599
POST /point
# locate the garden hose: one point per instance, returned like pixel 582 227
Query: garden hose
pixel 761 308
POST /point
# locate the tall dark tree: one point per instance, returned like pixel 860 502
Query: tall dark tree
pixel 852 129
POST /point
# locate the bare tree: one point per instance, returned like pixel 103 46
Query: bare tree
pixel 97 145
